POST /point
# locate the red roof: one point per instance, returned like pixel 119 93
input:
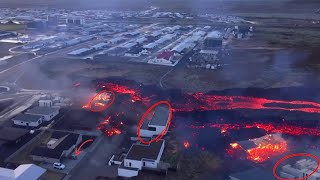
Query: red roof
pixel 165 55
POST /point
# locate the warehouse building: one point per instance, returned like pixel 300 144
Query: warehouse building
pixel 100 46
pixel 116 40
pixel 81 52
pixel 213 39
pixel 27 120
pixel 48 113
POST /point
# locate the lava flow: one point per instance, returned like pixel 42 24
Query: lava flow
pixel 134 93
pixel 110 127
pixel 203 102
pixel 265 147
pixel 268 127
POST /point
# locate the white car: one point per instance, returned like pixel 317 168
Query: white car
pixel 59 166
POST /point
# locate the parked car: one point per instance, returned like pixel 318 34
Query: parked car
pixel 58 166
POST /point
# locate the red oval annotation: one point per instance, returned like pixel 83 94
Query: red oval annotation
pixel 296 155
pixel 163 132
pixel 103 106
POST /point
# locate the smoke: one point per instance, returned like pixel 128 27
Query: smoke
pixel 36 78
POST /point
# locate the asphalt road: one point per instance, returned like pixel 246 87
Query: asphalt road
pixel 94 164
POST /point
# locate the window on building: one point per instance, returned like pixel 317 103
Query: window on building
pixel 144 163
pixel 129 164
pixel 152 128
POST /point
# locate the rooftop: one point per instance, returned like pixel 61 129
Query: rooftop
pixel 79 51
pixel 11 134
pixel 142 151
pixel 165 55
pixel 41 110
pixel 27 117
pixel 24 171
pixel 214 34
pixel 66 144
pixel 160 116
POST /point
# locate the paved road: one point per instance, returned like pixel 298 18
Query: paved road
pixel 95 162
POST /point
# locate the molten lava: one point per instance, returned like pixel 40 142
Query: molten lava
pixel 99 102
pixel 112 131
pixel 265 147
pixel 263 153
pixel 268 127
pixel 186 144
pixel 109 127
pixel 203 102
pixel 134 93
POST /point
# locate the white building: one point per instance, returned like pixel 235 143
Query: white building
pixel 45 103
pixel 157 124
pixel 48 113
pixel 100 46
pixel 22 172
pixel 140 157
pixel 116 40
pixel 27 120
pixel 300 169
pixel 141 40
pixel 79 51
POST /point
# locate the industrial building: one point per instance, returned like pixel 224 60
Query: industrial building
pixel 213 39
pixel 45 103
pixel 75 20
pixel 141 156
pixel 27 120
pixel 141 40
pixel 48 113
pixel 116 40
pixel 100 46
pixel 81 52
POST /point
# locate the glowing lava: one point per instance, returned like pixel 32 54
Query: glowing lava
pixel 203 102
pixel 265 147
pixel 263 153
pixel 134 93
pixel 110 128
pixel 112 131
pixel 186 144
pixel 268 127
pixel 100 101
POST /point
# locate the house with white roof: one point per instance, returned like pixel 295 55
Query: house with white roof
pixel 23 172
pixel 141 156
pixel 157 124
pixel 48 113
pixel 28 120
